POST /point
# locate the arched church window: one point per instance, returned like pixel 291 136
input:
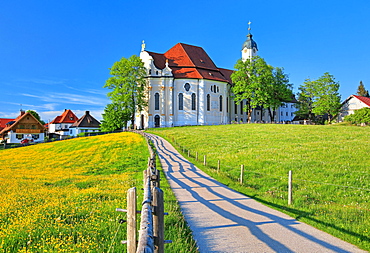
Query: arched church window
pixel 227 104
pixel 156 101
pixel 220 103
pixel 193 101
pixel 236 108
pixel 218 89
pixel 241 107
pixel 208 102
pixel 211 88
pixel 150 71
pixel 181 101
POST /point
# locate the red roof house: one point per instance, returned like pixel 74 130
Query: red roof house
pixel 60 125
pixel 351 104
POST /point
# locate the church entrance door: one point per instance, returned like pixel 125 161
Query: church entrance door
pixel 157 121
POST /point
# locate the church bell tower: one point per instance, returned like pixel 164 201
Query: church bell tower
pixel 250 46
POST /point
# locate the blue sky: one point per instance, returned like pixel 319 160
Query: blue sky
pixel 56 55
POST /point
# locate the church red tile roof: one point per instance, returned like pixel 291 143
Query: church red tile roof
pixel 187 61
pixel 67 117
pixel 364 100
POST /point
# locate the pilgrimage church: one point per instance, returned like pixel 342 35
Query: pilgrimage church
pixel 185 87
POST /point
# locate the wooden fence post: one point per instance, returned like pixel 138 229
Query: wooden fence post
pixel 205 160
pixel 131 220
pixel 158 220
pixel 241 173
pixel 290 188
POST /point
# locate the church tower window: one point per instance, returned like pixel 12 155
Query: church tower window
pixel 236 108
pixel 193 101
pixel 227 104
pixel 181 101
pixel 241 107
pixel 220 103
pixel 208 102
pixel 156 101
pixel 187 86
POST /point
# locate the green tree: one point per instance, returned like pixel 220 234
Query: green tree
pixel 128 85
pixel 115 117
pixel 319 97
pixel 37 116
pixel 361 116
pixel 361 91
pixel 327 98
pixel 305 101
pixel 250 82
pixel 279 91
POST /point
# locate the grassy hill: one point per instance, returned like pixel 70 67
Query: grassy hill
pixel 330 164
pixel 62 196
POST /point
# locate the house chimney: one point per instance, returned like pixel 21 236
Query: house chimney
pixel 22 112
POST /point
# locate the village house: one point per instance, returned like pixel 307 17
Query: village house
pixel 86 124
pixel 351 104
pixel 59 127
pixel 24 127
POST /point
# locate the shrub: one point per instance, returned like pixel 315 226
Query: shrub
pixel 361 116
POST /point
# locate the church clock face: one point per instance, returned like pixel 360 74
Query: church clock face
pixel 187 86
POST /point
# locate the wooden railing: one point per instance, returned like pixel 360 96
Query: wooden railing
pixel 28 131
pixel 151 233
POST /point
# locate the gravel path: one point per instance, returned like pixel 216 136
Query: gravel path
pixel 223 220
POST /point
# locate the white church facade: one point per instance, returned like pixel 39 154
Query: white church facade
pixel 185 87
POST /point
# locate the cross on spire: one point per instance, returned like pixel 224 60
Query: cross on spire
pixel 249 25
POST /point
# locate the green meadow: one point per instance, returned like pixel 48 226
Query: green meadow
pixel 330 166
pixel 62 196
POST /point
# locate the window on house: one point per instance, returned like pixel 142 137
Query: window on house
pixel 35 136
pixel 220 103
pixel 236 108
pixel 281 113
pixel 33 127
pixel 19 136
pixel 286 113
pixel 208 102
pixel 241 107
pixel 156 101
pixel 181 101
pixel 291 114
pixel 21 126
pixel 227 104
pixel 193 101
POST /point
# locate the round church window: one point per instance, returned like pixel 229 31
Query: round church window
pixel 187 86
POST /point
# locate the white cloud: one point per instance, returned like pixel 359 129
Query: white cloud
pixel 68 98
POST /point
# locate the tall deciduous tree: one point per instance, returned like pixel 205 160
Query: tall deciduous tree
pixel 128 85
pixel 305 101
pixel 115 117
pixel 279 91
pixel 260 85
pixel 320 96
pixel 250 82
pixel 361 91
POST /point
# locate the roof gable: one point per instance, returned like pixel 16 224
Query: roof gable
pixel 24 116
pixel 67 117
pixel 86 121
pixel 364 100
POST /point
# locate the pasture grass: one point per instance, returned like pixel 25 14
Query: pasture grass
pixel 331 174
pixel 62 196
